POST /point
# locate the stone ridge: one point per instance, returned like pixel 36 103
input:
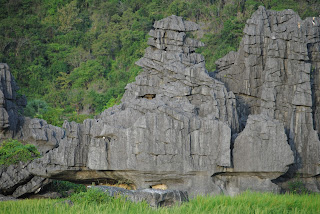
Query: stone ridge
pixel 176 23
pixel 276 72
pixel 173 126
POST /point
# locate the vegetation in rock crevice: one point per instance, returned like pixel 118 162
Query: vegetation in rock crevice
pixel 65 188
pixel 12 152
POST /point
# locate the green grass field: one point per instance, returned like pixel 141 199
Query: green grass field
pixel 245 203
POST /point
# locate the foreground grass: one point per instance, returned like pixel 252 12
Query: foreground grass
pixel 245 203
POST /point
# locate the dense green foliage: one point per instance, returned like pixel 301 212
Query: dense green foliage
pixel 98 202
pixel 12 152
pixel 92 196
pixel 76 56
pixel 65 187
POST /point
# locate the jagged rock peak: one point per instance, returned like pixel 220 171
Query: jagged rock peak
pixel 169 35
pixel 276 72
pixel 11 106
pixel 176 23
pixel 174 120
pixel 173 126
pixel 173 70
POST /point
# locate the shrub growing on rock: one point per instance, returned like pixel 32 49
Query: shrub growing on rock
pixel 91 196
pixel 65 188
pixel 12 152
pixel 298 187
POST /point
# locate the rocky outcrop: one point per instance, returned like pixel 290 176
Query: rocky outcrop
pixel 11 106
pixel 261 153
pixel 180 128
pixel 17 180
pixel 7 198
pixel 262 147
pixel 274 73
pixel 155 198
pixel 173 127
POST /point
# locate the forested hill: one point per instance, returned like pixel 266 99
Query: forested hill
pixel 72 59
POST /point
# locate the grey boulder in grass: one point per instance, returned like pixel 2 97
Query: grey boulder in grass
pixel 154 197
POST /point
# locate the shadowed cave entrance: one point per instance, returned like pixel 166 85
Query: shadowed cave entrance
pixel 92 178
pixel 149 96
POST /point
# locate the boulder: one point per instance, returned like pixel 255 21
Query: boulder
pixel 154 197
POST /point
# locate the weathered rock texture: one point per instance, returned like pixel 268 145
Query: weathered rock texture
pixel 179 127
pixel 10 105
pixel 272 73
pixel 7 198
pixel 173 127
pixel 261 153
pixel 155 198
pixel 262 147
pixel 16 180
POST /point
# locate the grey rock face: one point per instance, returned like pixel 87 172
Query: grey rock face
pixel 155 198
pixel 32 186
pixel 275 72
pixel 234 183
pixel 14 125
pixel 173 127
pixel 262 147
pixel 261 153
pixel 13 176
pixel 39 133
pixel 175 23
pixel 10 105
pixel 17 181
pixel 7 198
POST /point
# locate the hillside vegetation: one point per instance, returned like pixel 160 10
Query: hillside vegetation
pixel 72 59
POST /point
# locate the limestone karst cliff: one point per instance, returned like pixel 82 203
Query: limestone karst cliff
pixel 276 72
pixel 252 129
